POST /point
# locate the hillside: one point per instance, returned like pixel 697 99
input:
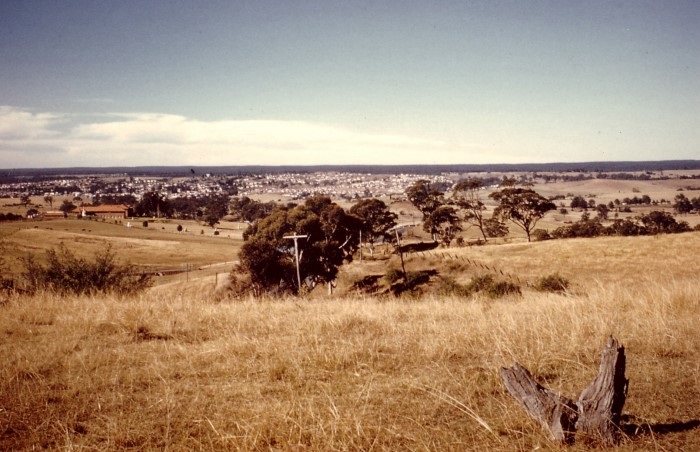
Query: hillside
pixel 179 368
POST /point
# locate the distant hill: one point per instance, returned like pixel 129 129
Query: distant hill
pixel 661 165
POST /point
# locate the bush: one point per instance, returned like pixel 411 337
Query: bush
pixel 65 273
pixel 393 275
pixel 540 235
pixel 502 288
pixel 491 287
pixel 479 283
pixel 145 224
pixel 552 283
pixel 450 288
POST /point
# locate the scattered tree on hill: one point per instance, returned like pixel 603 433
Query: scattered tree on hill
pixel 465 194
pixel 49 199
pixel 495 228
pixel 602 211
pixel 523 206
pixel 424 197
pixel 375 218
pixel 443 224
pixel 578 202
pixel 682 204
pixel 658 222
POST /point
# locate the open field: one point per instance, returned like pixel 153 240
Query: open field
pixel 179 369
pixel 158 247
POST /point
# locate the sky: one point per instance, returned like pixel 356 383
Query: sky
pixel 284 82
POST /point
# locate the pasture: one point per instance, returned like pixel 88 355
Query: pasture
pixel 180 368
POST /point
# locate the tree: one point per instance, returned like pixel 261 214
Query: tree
pixel 522 206
pixel 495 228
pixel 466 195
pixel 424 197
pixel 49 199
pixel 217 208
pixel 153 204
pixel 443 223
pixel 249 210
pixel 375 218
pixel 579 203
pixel 682 204
pixel 67 207
pixel 269 257
pixel 657 222
pixel 602 211
pixel 25 199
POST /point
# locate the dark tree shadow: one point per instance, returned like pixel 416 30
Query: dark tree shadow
pixel 633 429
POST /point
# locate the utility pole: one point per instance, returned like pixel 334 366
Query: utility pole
pixel 296 254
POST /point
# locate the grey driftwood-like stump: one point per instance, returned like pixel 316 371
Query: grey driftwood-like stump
pixel 596 414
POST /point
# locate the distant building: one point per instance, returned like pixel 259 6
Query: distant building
pixel 53 215
pixel 103 211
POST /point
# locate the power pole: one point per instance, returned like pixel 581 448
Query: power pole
pixel 296 255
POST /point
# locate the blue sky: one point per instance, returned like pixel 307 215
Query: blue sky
pixel 103 83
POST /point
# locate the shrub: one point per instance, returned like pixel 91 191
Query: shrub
pixel 552 283
pixel 65 273
pixel 502 288
pixel 491 287
pixel 540 235
pixel 449 287
pixel 393 275
pixel 479 283
pixel 145 224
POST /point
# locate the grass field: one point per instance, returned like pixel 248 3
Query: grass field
pixel 179 368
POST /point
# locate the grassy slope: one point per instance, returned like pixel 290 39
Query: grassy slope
pixel 172 369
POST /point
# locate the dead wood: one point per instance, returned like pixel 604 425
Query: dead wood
pixel 596 415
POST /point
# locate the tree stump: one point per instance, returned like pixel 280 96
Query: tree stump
pixel 596 415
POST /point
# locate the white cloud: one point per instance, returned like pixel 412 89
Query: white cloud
pixel 19 124
pixel 132 139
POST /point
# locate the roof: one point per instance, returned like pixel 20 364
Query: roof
pixel 104 208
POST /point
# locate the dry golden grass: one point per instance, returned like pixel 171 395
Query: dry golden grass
pixel 159 246
pixel 174 369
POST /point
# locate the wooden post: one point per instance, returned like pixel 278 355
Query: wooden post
pixel 596 415
pixel 296 255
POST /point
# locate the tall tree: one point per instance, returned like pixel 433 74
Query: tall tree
pixel 424 197
pixel 269 257
pixel 67 207
pixel 153 204
pixel 521 205
pixel 465 194
pixel 443 223
pixel 376 219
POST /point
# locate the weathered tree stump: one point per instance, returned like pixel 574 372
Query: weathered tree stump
pixel 596 415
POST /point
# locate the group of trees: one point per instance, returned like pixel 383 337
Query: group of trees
pixel 518 204
pixel 683 204
pixel 652 223
pixel 326 234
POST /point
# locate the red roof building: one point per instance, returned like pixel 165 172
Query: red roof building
pixel 103 211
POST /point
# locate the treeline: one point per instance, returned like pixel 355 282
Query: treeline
pixel 652 223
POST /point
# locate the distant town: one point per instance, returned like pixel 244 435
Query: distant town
pixel 293 183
